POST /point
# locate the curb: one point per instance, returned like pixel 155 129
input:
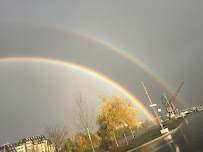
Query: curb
pixel 157 139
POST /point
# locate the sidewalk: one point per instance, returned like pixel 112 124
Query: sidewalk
pixel 148 137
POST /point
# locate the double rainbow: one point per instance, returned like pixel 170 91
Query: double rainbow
pixel 82 68
pixel 114 48
pixel 117 50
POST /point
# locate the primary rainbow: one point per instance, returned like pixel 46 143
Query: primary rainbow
pixel 82 68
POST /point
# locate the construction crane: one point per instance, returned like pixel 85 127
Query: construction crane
pixel 170 107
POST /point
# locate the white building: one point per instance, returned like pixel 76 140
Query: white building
pixel 29 144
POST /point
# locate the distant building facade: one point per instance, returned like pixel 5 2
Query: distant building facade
pixel 29 144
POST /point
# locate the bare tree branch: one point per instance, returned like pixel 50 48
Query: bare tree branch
pixel 56 134
pixel 85 117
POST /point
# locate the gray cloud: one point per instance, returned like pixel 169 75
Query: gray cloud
pixel 165 35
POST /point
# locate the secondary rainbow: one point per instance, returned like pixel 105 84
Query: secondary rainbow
pixel 82 68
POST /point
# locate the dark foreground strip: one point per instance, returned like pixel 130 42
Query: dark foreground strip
pixel 147 137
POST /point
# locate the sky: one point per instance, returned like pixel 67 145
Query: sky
pixel 165 36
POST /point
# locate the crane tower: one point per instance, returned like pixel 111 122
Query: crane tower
pixel 170 107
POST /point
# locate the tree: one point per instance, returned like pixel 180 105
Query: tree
pixel 104 133
pixel 132 117
pixel 85 117
pixel 138 125
pixel 116 112
pixel 56 134
pixel 147 123
pixel 82 141
pixel 68 146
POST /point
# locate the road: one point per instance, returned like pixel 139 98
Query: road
pixel 187 139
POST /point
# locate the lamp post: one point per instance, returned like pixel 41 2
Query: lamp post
pixel 163 131
pixel 153 106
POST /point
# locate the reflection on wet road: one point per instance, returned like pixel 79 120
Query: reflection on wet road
pixel 187 139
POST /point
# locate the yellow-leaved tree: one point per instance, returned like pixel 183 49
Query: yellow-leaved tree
pixel 82 142
pixel 116 112
pixel 131 116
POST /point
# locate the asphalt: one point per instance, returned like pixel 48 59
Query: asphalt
pixel 148 137
pixel 187 138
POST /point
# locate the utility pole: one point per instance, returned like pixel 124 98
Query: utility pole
pixel 153 106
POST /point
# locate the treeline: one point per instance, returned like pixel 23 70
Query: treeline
pixel 117 119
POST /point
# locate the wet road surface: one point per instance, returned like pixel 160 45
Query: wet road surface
pixel 189 138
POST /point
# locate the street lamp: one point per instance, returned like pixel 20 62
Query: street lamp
pixel 153 106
